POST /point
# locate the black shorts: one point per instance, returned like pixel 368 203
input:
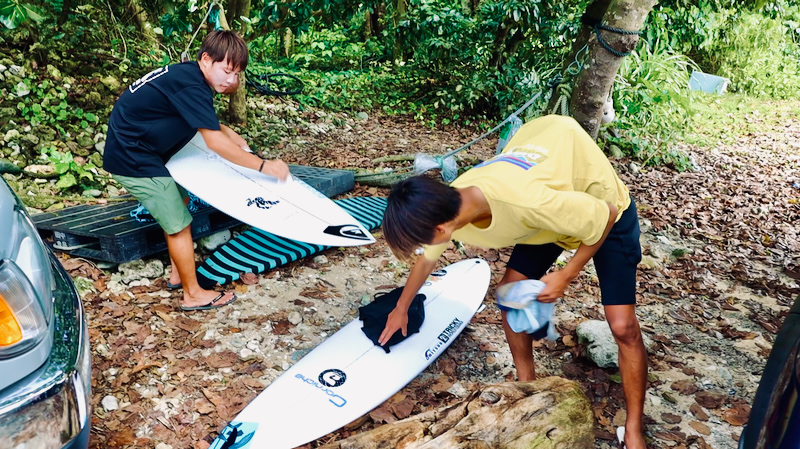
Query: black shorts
pixel 615 261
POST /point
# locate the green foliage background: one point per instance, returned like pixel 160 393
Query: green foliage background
pixel 442 61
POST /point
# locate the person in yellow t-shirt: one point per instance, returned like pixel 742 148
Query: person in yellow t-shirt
pixel 551 189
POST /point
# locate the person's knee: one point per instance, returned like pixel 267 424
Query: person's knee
pixel 626 331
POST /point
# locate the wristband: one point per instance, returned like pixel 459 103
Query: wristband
pixel 262 165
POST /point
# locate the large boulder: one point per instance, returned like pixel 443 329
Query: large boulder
pixel 548 413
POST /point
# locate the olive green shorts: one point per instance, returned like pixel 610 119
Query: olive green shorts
pixel 162 198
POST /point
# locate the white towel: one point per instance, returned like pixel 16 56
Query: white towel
pixel 527 314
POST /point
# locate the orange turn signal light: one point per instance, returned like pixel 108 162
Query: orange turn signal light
pixel 10 330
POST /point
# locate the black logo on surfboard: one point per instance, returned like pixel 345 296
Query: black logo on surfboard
pixel 349 231
pixel 332 377
pixel 261 203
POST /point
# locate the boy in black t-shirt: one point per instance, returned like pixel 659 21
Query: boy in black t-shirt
pixel 152 120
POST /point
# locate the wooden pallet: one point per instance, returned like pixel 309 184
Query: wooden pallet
pixel 108 233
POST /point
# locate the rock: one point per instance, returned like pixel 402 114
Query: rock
pixel 12 134
pixel 163 446
pixel 596 336
pixel 321 259
pixel 7 166
pixel 22 89
pixel 97 159
pixel 500 414
pixel 41 171
pixel 110 403
pixel 111 83
pixel 651 263
pixel 45 133
pixel 85 141
pixel 362 116
pixel 138 269
pixel 295 318
pixel 212 242
pixel 92 193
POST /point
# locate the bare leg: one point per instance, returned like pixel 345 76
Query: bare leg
pixel 174 276
pixel 181 253
pixel 519 343
pixel 632 368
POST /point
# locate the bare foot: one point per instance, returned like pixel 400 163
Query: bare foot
pixel 633 440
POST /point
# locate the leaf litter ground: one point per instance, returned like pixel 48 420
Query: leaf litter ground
pixel 721 267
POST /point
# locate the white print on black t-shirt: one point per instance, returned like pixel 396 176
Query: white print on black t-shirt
pixel 147 78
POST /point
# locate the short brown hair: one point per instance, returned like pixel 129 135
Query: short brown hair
pixel 221 44
pixel 415 207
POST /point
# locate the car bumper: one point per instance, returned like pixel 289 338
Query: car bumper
pixel 51 407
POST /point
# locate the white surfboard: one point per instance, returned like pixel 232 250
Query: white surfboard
pixel 346 376
pixel 290 209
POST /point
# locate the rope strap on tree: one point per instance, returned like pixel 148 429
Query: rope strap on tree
pixel 605 44
pixel 185 54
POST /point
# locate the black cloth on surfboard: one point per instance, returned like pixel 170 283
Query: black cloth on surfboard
pixel 256 251
pixel 375 314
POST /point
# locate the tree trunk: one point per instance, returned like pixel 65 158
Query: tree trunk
pixel 286 42
pixel 400 9
pixel 139 17
pixel 499 43
pixel 600 67
pixel 66 7
pixel 237 108
pixel 547 413
pixel 594 14
pixel 368 26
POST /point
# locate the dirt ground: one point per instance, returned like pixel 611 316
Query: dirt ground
pixel 721 266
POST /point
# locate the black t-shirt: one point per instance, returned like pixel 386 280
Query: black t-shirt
pixel 155 117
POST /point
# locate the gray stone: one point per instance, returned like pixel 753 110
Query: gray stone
pixel 212 242
pixel 110 403
pixel 596 336
pixel 295 318
pixel 138 269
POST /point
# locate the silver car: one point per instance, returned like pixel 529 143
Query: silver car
pixel 45 370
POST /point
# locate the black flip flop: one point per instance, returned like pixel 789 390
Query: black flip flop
pixel 212 305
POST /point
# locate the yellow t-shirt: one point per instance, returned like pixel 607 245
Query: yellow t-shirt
pixel 549 185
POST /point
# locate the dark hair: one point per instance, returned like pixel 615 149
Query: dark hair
pixel 221 44
pixel 416 206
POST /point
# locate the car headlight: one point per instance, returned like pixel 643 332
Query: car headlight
pixel 22 317
pixel 32 258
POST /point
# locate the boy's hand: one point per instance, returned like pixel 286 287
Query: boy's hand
pixel 398 320
pixel 555 284
pixel 276 168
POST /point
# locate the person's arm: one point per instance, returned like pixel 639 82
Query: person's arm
pixel 557 281
pixel 235 137
pixel 223 145
pixel 398 318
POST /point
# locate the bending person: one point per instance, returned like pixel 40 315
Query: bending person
pixel 551 189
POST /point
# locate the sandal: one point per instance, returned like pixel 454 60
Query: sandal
pixel 171 286
pixel 212 305
pixel 621 436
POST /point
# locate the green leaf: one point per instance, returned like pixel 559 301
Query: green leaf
pixel 66 181
pixel 14 13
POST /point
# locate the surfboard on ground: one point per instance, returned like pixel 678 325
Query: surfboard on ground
pixel 290 209
pixel 346 376
pixel 257 251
